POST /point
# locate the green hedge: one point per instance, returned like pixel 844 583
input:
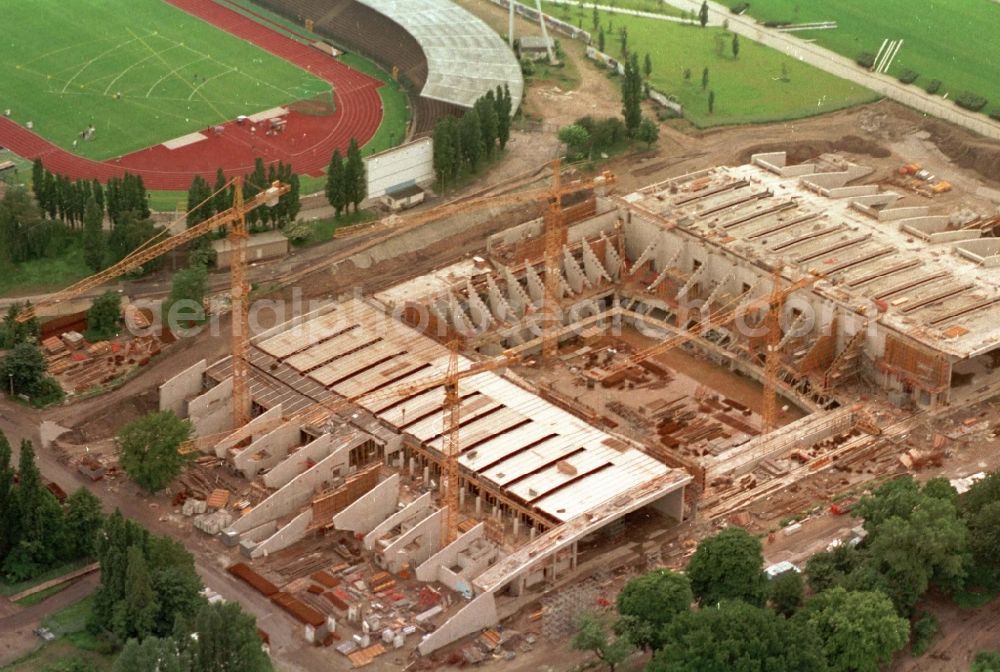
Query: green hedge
pixel 971 101
pixel 908 76
pixel 933 86
pixel 865 59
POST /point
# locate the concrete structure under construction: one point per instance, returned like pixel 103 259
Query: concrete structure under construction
pixel 893 300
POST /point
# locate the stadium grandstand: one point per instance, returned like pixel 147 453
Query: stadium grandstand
pixel 446 56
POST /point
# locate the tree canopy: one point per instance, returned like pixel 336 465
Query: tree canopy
pixel 650 602
pixel 734 636
pixel 859 630
pixel 728 566
pixel 593 634
pixel 104 316
pixel 149 449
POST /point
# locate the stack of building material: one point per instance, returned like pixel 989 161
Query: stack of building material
pixel 256 581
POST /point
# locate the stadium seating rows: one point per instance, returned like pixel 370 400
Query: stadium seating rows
pixel 358 28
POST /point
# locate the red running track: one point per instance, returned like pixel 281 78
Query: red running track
pixel 307 143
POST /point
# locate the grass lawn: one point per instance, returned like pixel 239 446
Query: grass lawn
pixel 322 229
pixel 937 36
pixel 8 589
pixel 395 106
pixel 45 275
pixel 63 64
pixel 43 595
pixel 72 642
pixel 748 89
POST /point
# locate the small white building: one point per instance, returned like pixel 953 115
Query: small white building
pixel 403 197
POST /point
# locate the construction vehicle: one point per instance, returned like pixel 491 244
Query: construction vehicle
pixel 235 219
pixel 910 169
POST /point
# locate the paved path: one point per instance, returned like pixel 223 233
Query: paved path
pixel 845 68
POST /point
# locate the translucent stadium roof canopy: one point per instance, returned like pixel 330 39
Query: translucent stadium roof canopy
pixel 465 57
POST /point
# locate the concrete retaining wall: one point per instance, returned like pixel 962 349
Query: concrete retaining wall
pixel 478 614
pixel 371 508
pixel 174 393
pixel 298 462
pixel 428 570
pixel 416 544
pixel 268 450
pixel 416 508
pixel 286 536
pixel 212 412
pixel 295 494
pixel 251 429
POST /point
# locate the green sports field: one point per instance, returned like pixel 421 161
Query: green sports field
pixel 954 41
pixel 140 71
pixel 748 89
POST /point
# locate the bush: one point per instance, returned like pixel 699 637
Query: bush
pixel 924 629
pixel 995 114
pixel 865 59
pixel 908 76
pixel 971 101
pixel 665 113
pixel 933 86
pixel 776 24
pixel 739 8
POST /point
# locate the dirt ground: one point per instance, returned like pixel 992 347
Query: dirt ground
pixel 883 135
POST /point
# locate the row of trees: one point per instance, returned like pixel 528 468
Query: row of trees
pixel 346 183
pixel 461 145
pixel 36 532
pixel 205 200
pixel 150 602
pixel 861 598
pixel 150 597
pixel 586 135
pixel 724 614
pixel 23 370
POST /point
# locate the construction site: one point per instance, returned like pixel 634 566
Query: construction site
pixel 408 469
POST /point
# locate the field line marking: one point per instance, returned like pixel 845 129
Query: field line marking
pixel 56 51
pixel 95 58
pixel 172 73
pixel 175 70
pixel 139 62
pixel 206 81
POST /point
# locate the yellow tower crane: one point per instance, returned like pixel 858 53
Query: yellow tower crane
pixel 235 219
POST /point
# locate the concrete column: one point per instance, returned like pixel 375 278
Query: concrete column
pixel 531 533
pixel 461 495
pixel 573 557
pixel 413 466
pixel 517 524
pixel 479 505
pixel 427 474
